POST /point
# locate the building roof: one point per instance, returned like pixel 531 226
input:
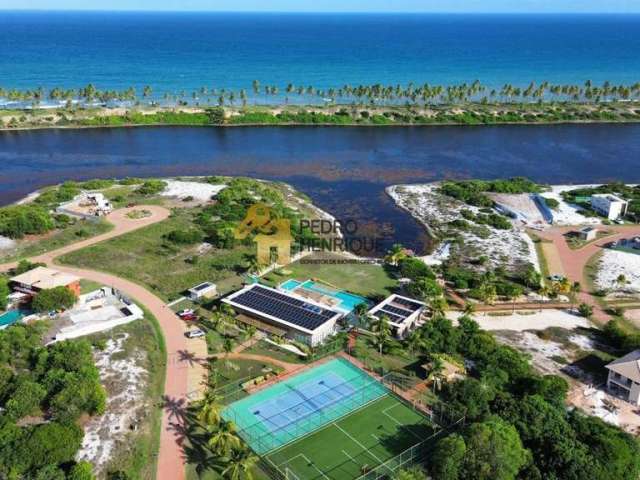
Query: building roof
pixel 627 366
pixel 202 286
pixel 397 308
pixel 609 196
pixel 282 307
pixel 43 278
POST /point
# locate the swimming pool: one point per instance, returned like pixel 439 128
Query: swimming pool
pixel 10 317
pixel 301 404
pixel 348 301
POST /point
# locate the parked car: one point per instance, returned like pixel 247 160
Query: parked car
pixel 186 312
pixel 556 278
pixel 195 333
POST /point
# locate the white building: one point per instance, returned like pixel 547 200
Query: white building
pixel 402 313
pixel 609 205
pixel 284 314
pixel 588 233
pixel 203 290
pixel 624 377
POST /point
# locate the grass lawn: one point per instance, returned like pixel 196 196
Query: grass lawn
pixel 145 257
pixel 137 455
pixel 238 371
pixel 269 350
pixel 87 286
pixel 39 244
pixel 360 441
pixel 363 279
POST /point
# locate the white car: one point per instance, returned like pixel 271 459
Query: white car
pixel 195 333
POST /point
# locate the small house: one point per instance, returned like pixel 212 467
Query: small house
pixel 43 278
pixel 203 291
pixel 608 205
pixel 624 377
pixel 588 233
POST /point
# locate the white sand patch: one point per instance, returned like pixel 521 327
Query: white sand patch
pixel 6 243
pixel 530 341
pixel 534 321
pixel 601 406
pixel 506 248
pixel 125 382
pixel 582 341
pixel 615 263
pixel 199 191
pixel 567 213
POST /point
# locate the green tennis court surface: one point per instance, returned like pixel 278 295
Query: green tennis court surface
pixel 348 447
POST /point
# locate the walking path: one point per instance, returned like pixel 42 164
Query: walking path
pixel 183 374
pixel 574 262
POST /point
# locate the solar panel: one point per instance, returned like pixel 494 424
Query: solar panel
pixel 401 312
pixel 405 302
pixel 284 307
pixel 392 316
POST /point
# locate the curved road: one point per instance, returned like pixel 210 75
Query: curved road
pixel 182 354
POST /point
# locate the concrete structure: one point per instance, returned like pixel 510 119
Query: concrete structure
pixel 43 278
pixel 203 290
pixel 588 233
pixel 96 311
pixel 624 377
pixel 101 205
pixel 609 205
pixel 402 313
pixel 284 313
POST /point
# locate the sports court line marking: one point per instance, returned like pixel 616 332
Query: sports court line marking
pixel 393 419
pixel 326 425
pixel 309 462
pixel 357 442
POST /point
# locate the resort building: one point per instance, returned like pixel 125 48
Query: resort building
pixel 402 313
pixel 609 205
pixel 624 377
pixel 43 278
pixel 284 313
pixel 203 291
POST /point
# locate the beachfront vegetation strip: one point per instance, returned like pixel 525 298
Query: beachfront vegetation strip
pixel 44 391
pixel 175 245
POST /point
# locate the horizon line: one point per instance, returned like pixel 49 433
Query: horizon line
pixel 315 12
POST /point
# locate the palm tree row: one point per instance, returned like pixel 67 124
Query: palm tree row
pixel 373 94
pixel 235 459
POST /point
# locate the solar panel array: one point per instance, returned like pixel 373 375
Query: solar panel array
pixel 399 309
pixel 284 307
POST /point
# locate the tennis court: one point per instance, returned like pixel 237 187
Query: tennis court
pixel 333 421
pixel 357 443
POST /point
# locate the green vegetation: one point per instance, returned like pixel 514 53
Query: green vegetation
pixel 581 197
pixel 44 391
pixel 74 231
pixel 517 423
pixel 368 280
pixel 152 187
pixel 51 299
pixel 16 221
pixel 135 457
pixel 473 192
pixel 4 292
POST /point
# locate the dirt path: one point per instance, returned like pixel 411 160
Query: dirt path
pixel 183 371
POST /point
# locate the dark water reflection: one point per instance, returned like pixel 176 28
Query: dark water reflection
pixel 344 170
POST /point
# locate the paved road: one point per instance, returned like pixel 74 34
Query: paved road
pixel 183 355
pixel 575 261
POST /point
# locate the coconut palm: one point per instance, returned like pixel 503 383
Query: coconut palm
pixel 395 254
pixel 210 410
pixel 383 333
pixel 469 309
pixel 439 306
pixel 223 439
pixel 240 464
pixel 436 373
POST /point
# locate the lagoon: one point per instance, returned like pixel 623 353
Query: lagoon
pixel 343 169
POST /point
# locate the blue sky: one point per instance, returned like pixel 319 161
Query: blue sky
pixel 458 6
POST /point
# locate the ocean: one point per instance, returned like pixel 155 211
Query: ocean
pixel 174 52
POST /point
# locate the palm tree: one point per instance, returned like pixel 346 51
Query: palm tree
pixel 223 439
pixel 395 254
pixel 414 341
pixel 228 345
pixel 439 306
pixel 240 465
pixel 435 373
pixel 210 410
pixel 383 333
pixel 469 309
pixel 576 288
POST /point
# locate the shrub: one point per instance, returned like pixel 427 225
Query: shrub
pixel 53 299
pixel 152 187
pixel 16 221
pixel 185 237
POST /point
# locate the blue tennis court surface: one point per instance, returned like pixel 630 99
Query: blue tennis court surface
pixel 297 406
